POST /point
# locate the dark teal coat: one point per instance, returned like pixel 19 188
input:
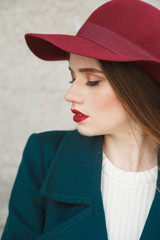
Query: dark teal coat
pixel 57 196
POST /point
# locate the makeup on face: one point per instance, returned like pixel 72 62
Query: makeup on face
pixel 96 108
pixel 78 117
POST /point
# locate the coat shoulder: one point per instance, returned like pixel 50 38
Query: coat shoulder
pixel 53 138
pixel 49 143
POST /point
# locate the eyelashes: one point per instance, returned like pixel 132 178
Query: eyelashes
pixel 72 80
pixel 89 83
pixel 92 83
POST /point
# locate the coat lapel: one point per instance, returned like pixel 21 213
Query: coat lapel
pixel 152 226
pixel 75 179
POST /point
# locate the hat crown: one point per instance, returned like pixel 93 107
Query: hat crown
pixel 136 21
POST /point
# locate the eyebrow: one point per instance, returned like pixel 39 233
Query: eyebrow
pixel 92 70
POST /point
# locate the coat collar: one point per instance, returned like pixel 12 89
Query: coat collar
pixel 75 173
pixel 75 178
pixel 151 228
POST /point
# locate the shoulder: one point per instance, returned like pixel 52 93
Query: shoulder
pixel 53 138
pixel 49 139
pixel 42 147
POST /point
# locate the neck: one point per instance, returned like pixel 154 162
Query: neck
pixel 131 152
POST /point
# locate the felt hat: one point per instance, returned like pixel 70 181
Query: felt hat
pixel 119 30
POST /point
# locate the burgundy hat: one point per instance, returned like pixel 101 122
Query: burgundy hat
pixel 119 30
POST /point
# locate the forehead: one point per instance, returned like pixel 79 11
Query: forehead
pixel 78 61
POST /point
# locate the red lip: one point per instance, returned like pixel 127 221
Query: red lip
pixel 78 118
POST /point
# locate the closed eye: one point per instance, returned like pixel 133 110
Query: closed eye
pixel 92 83
pixel 89 83
pixel 72 80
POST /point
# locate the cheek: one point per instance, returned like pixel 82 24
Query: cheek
pixel 106 101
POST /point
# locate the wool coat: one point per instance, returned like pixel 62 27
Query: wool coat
pixel 57 191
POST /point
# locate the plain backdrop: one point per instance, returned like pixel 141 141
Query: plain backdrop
pixel 32 90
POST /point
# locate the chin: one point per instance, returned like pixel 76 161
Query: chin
pixel 87 132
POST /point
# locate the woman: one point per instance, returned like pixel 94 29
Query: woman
pixel 102 180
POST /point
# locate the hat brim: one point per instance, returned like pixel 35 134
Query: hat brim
pixel 53 47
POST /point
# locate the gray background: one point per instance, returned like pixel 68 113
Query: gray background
pixel 32 90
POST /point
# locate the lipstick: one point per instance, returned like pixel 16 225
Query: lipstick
pixel 79 117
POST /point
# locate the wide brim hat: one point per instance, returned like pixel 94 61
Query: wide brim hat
pixel 119 30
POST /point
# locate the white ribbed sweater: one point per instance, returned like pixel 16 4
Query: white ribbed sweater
pixel 127 198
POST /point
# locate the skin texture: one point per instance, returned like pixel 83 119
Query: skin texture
pixel 124 146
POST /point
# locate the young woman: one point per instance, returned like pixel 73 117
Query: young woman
pixel 100 181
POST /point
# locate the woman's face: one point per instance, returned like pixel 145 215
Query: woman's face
pixel 91 94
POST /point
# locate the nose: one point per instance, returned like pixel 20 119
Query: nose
pixel 74 94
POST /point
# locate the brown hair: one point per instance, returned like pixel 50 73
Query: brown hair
pixel 138 93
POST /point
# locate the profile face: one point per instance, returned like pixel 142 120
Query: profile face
pixel 92 95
